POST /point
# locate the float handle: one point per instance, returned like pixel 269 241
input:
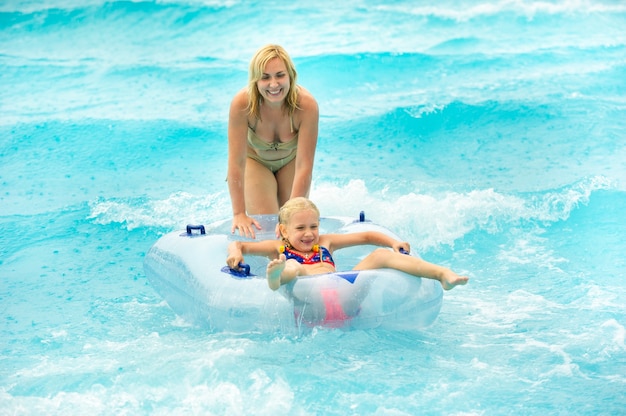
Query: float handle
pixel 191 228
pixel 243 272
pixel 245 267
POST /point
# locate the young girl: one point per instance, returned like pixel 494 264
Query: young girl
pixel 304 252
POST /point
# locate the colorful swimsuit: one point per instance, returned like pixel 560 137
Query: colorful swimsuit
pixel 321 254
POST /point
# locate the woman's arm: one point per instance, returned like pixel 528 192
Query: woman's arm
pixel 307 142
pixel 237 154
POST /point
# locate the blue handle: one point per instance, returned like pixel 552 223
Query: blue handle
pixel 191 228
pixel 361 218
pixel 243 272
pixel 245 267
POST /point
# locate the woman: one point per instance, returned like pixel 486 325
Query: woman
pixel 272 135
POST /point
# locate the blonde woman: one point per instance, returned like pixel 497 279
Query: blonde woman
pixel 272 136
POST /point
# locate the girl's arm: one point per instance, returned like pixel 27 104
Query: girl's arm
pixel 237 249
pixel 339 241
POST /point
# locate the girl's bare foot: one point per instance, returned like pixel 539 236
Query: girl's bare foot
pixel 274 270
pixel 449 280
pixel 282 271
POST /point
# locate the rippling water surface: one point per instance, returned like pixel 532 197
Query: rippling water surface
pixel 490 135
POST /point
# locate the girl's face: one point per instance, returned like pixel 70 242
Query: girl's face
pixel 274 83
pixel 302 230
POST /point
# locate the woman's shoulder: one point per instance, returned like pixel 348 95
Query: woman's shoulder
pixel 306 100
pixel 240 99
pixel 305 94
pixel 239 107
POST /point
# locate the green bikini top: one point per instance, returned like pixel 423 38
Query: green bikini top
pixel 261 145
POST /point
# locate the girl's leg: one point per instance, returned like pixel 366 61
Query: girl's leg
pixel 384 258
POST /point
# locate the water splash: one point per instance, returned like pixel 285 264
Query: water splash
pixel 429 219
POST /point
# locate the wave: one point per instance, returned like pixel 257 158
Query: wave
pixel 173 29
pixel 528 9
pixel 193 88
pixel 74 59
pixel 37 7
pixel 174 212
pixel 435 80
pixel 431 219
pixel 441 218
pixel 453 10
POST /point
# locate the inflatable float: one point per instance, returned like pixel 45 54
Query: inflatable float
pixel 187 268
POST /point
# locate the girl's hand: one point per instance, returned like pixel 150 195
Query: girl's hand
pixel 399 246
pixel 233 261
pixel 234 256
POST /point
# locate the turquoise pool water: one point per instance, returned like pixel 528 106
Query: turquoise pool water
pixel 491 135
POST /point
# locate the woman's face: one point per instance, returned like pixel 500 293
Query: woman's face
pixel 274 83
pixel 302 230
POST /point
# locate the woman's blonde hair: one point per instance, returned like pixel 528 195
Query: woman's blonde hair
pixel 257 66
pixel 293 206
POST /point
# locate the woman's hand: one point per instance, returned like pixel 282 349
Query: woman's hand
pixel 245 225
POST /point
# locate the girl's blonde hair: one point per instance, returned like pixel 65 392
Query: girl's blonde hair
pixel 293 206
pixel 257 66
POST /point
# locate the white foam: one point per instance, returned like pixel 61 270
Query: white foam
pixel 518 7
pixel 426 219
pixel 615 337
pixel 173 212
